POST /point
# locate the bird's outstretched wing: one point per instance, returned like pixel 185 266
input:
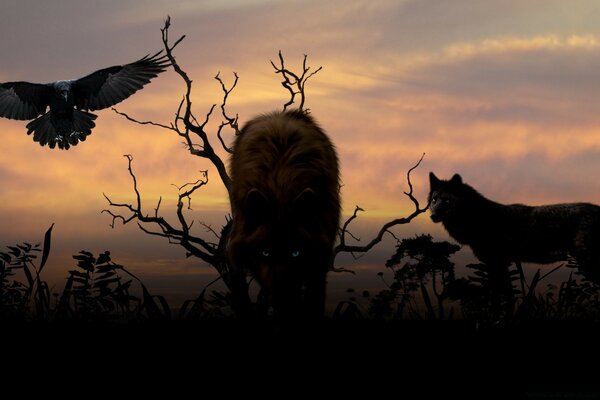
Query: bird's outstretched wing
pixel 23 100
pixel 109 86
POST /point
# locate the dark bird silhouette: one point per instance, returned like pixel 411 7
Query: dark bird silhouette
pixel 68 121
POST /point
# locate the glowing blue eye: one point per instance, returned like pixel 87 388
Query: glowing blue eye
pixel 296 253
pixel 265 253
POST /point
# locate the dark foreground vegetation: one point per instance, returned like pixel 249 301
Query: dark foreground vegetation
pixel 468 332
pixel 424 288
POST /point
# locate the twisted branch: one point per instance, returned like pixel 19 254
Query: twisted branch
pixel 343 246
pixel 232 122
pixel 185 123
pixel 294 83
pixel 194 245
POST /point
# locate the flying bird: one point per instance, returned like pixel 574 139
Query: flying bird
pixel 67 122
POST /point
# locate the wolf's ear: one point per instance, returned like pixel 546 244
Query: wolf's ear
pixel 434 182
pixel 256 207
pixel 456 179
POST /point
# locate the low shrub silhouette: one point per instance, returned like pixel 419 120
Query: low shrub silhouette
pixel 422 270
pixel 98 290
pixel 424 287
pixel 487 294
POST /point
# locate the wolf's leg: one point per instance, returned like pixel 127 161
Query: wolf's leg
pixel 502 291
pixel 586 254
pixel 588 264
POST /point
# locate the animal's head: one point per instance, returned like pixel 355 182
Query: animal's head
pixel 444 196
pixel 63 89
pixel 280 246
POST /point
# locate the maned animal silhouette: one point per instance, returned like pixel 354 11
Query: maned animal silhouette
pixel 501 234
pixel 66 123
pixel 286 210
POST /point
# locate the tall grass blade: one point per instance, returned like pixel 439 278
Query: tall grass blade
pixel 46 251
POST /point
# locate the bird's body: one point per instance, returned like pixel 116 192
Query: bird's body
pixel 67 122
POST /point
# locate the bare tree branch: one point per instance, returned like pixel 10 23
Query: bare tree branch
pixel 232 122
pixel 185 123
pixel 293 83
pixel 194 245
pixel 194 186
pixel 209 229
pixel 343 246
pixel 197 142
pixel 142 122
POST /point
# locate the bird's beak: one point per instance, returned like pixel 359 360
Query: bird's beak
pixel 65 94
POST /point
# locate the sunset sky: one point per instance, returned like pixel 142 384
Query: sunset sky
pixel 504 92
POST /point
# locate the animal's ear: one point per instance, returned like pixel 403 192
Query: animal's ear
pixel 456 179
pixel 434 182
pixel 256 207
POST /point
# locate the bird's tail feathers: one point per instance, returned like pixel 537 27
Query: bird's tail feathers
pixel 43 130
pixel 83 122
pixel 60 131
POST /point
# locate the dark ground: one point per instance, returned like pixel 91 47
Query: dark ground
pixel 528 360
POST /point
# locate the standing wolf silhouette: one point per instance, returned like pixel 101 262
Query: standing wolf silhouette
pixel 501 234
pixel 285 211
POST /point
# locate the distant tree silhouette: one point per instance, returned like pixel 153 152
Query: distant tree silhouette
pixel 198 143
pixel 421 267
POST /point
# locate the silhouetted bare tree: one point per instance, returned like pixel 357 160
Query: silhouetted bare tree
pixel 197 142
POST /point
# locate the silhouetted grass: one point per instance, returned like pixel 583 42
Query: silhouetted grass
pixel 424 288
pixel 18 296
pixel 97 290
